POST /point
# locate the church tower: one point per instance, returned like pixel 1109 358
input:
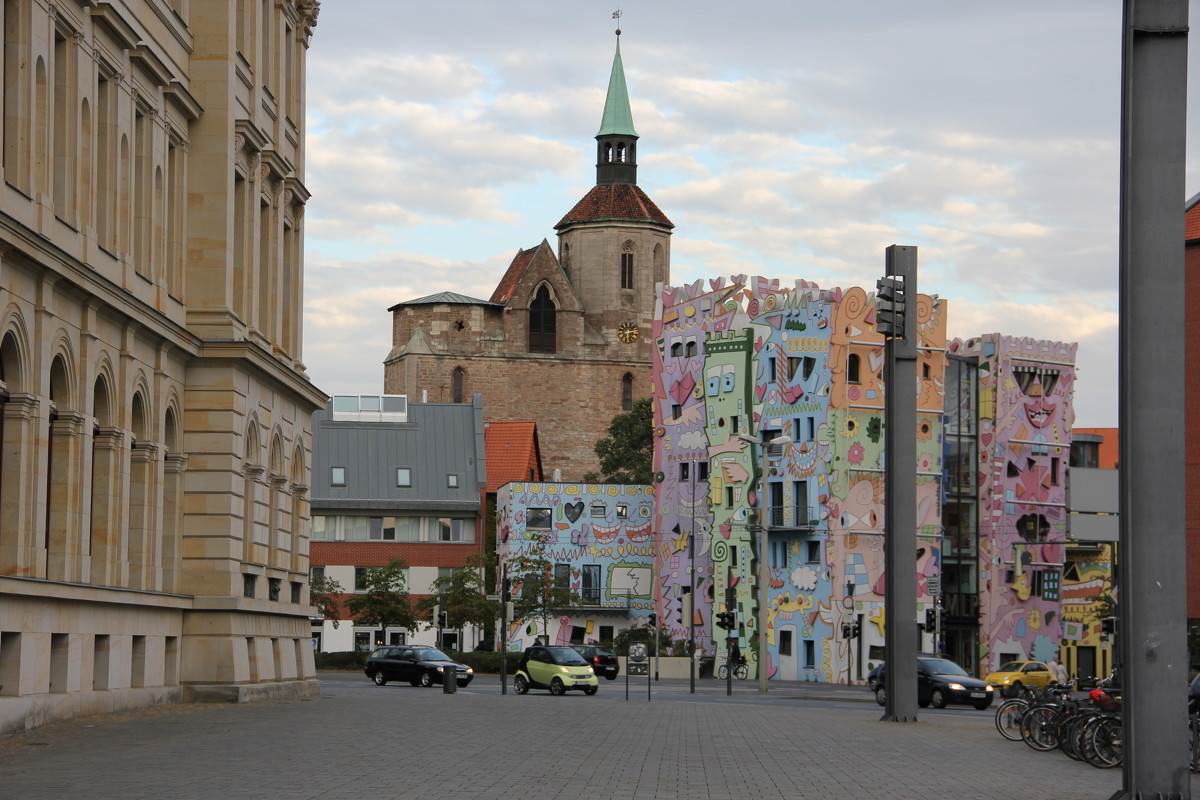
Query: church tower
pixel 615 244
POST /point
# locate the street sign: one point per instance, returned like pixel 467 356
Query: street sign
pixel 636 668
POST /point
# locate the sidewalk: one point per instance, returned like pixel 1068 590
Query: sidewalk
pixel 363 741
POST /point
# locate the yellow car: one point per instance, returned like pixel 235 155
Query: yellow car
pixel 1015 676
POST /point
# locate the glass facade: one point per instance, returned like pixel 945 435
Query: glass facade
pixel 355 528
pixel 960 520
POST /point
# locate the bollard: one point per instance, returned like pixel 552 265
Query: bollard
pixel 450 680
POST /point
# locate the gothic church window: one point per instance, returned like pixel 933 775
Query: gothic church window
pixel 627 266
pixel 456 385
pixel 542 323
pixel 627 392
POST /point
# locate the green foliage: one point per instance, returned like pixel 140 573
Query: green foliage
pixel 486 661
pixel 463 596
pixel 624 638
pixel 385 601
pixel 324 595
pixel 342 660
pixel 627 453
pixel 536 594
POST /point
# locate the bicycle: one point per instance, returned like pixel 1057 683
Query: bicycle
pixel 741 670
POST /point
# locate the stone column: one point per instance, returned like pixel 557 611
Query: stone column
pixel 64 529
pixel 19 477
pixel 144 534
pixel 107 521
pixel 174 467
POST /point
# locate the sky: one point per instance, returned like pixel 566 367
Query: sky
pixel 785 138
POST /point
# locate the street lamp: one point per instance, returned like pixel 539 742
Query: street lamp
pixel 763 570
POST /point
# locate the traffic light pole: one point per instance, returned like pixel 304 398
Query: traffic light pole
pixel 1151 634
pixel 896 318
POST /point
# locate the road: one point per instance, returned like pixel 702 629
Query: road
pixel 359 741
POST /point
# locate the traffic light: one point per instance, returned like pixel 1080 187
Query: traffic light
pixel 1108 625
pixel 653 619
pixel 441 619
pixel 930 619
pixel 855 630
pixel 725 620
pixel 506 592
pixel 847 630
pixel 889 307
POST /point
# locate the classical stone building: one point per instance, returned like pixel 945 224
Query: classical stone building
pixel 156 415
pixel 565 338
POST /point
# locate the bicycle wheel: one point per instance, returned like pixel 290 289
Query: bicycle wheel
pixel 1039 728
pixel 722 672
pixel 741 672
pixel 1008 718
pixel 1101 743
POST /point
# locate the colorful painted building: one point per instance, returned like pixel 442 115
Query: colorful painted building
pixel 599 539
pixel 769 417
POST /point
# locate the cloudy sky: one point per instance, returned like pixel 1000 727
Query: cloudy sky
pixel 785 138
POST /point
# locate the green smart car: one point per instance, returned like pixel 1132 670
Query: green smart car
pixel 558 669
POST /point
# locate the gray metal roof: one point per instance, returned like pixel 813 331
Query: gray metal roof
pixel 450 298
pixel 438 440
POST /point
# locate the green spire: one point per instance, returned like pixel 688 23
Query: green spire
pixel 618 119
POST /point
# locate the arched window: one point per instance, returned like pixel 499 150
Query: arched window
pixel 542 322
pixel 627 392
pixel 627 266
pixel 456 385
pixel 852 366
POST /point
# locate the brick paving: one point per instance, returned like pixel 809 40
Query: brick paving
pixel 361 741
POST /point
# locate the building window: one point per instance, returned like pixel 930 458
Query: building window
pixel 455 530
pixel 360 579
pixel 380 531
pixel 403 477
pixel 676 411
pixel 598 510
pixel 626 270
pixel 538 519
pixel 456 385
pixel 542 323
pixel 296 591
pixel 337 476
pixel 684 472
pixel 273 587
pixel 452 481
pixel 814 552
pixel 810 654
pixel 321 528
pixel 622 511
pixel 316 574
pixel 702 471
pixel 627 392
pixel 249 584
pixel 562 576
pixel 852 368
pixel 690 349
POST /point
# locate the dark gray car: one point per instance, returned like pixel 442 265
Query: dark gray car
pixel 420 666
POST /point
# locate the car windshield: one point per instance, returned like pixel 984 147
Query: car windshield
pixel 429 654
pixel 940 666
pixel 565 656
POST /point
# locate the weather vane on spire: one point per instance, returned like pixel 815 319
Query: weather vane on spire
pixel 617 16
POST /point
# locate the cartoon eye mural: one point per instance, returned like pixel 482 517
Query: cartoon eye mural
pixel 727 377
pixel 712 382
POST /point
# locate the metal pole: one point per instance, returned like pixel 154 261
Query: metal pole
pixel 692 590
pixel 1151 635
pixel 763 573
pixel 900 511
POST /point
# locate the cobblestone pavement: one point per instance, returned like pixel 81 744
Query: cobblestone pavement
pixel 362 741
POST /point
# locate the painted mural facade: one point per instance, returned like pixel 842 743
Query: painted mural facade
pixel 744 361
pixel 1025 419
pixel 599 538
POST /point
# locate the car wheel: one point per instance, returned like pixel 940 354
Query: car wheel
pixel 378 677
pixel 937 698
pixel 520 684
pixel 881 696
pixel 1018 690
pixel 591 690
pixel 557 687
pixel 427 678
pixel 415 681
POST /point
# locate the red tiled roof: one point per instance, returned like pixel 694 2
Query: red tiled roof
pixel 511 450
pixel 516 269
pixel 624 202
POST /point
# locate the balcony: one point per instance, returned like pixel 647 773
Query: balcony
pixel 793 517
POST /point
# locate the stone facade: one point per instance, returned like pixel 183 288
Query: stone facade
pixel 565 338
pixel 155 421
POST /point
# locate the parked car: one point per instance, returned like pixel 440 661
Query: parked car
pixel 420 666
pixel 556 668
pixel 941 682
pixel 603 660
pixel 1011 678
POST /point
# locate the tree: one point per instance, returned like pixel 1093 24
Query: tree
pixel 324 594
pixel 463 596
pixel 537 593
pixel 384 601
pixel 627 453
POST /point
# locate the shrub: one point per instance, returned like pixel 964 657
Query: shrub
pixel 343 660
